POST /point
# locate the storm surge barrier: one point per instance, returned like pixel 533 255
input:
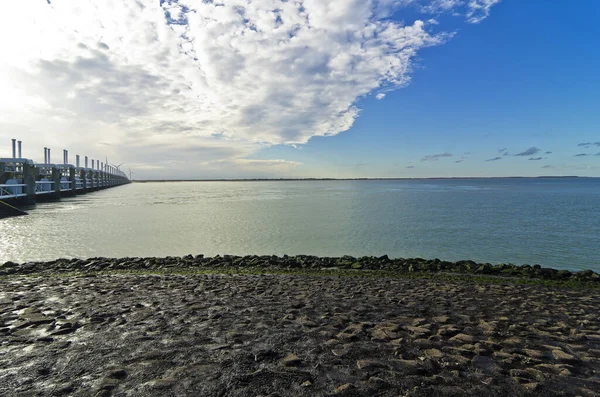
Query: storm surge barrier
pixel 24 182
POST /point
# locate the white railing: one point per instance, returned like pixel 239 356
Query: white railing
pixel 12 190
pixel 44 187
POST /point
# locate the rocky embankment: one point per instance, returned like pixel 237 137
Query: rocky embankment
pixel 173 334
pixel 299 262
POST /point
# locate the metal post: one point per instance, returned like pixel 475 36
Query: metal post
pixel 19 147
pixel 77 160
pixel 45 155
pixel 86 162
pixel 49 161
pixel 14 142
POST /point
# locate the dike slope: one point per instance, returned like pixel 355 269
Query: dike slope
pixel 173 333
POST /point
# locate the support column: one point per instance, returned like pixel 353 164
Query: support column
pixel 29 176
pixel 72 179
pixel 56 180
pixel 82 173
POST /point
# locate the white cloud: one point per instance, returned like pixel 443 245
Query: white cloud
pixel 475 11
pixel 380 96
pixel 478 10
pixel 438 6
pixel 198 79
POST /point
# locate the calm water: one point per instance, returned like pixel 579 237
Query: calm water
pixel 553 222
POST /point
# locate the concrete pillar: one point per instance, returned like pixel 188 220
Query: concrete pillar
pixel 82 173
pixel 72 179
pixel 45 155
pixel 56 180
pixel 86 162
pixel 14 148
pixel 19 149
pixel 77 160
pixel 49 161
pixel 29 176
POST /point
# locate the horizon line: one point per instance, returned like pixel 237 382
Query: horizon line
pixel 359 179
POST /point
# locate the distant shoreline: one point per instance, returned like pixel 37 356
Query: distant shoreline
pixel 360 179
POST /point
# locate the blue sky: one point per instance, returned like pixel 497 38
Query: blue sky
pixel 525 77
pixel 305 88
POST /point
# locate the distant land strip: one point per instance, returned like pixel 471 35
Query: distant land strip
pixel 358 179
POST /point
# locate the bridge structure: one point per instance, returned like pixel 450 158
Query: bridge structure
pixel 23 181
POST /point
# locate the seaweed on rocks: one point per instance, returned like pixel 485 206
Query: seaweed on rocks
pixel 409 266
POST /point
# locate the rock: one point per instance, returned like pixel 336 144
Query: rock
pixel 441 319
pixel 586 275
pixel 118 374
pixel 291 360
pixel 377 380
pixel 383 334
pixel 485 269
pixel 37 319
pixel 369 364
pixel 340 352
pixel 306 383
pixel 352 331
pixel 560 355
pixel 419 332
pixel 63 331
pixel 433 353
pixel 343 388
pixel 108 384
pixel 534 353
pixel 519 373
pixel 309 324
pixel 550 368
pixel 408 367
pixel 162 383
pixel 565 372
pixel 463 338
pixel 563 274
pixel 531 386
pixel 513 341
pixel 594 352
pixel 448 330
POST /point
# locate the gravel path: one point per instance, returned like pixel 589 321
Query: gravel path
pixel 288 335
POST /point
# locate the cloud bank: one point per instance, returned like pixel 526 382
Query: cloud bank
pixel 203 81
pixel 529 152
pixel 435 157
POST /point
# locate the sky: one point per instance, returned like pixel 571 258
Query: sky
pixel 189 89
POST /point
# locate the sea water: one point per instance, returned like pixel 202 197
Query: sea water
pixel 549 221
